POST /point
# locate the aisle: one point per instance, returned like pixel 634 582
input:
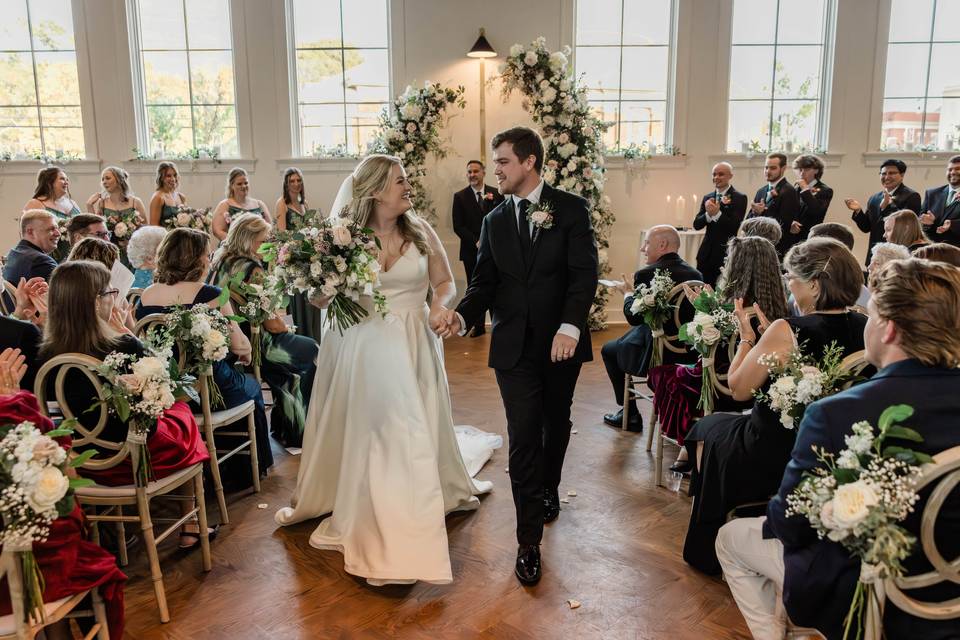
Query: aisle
pixel 615 548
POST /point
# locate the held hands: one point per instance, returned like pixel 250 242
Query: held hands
pixel 927 218
pixel 563 348
pixel 712 206
pixel 12 369
pixel 944 227
pixel 852 204
pixel 30 297
pixel 445 322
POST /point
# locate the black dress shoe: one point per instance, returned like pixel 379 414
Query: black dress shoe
pixel 682 466
pixel 634 422
pixel 551 505
pixel 478 331
pixel 528 564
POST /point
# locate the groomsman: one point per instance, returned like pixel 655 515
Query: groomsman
pixel 815 197
pixel 892 198
pixel 470 205
pixel 941 208
pixel 721 212
pixel 777 200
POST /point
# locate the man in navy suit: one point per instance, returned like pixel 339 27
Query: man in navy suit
pixel 894 197
pixel 913 337
pixel 941 208
pixel 777 199
pixel 30 258
pixel 721 212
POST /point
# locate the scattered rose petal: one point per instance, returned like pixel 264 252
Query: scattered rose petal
pixel 506 469
pixel 565 500
pixel 574 604
pixel 572 493
pixel 262 505
pixel 574 431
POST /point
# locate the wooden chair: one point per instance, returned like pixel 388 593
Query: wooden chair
pixel 5 308
pixel 133 296
pixel 22 625
pixel 109 455
pixel 854 364
pixel 944 474
pixel 214 420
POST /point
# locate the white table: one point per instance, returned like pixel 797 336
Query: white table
pixel 690 240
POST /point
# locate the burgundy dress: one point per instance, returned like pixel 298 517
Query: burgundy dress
pixel 69 563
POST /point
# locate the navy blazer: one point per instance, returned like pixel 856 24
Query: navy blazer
pixel 871 220
pixel 713 249
pixel 819 575
pixel 26 260
pixel 16 334
pixel 935 201
pixel 782 207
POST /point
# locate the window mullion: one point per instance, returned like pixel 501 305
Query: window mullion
pixel 36 79
pixel 186 41
pixel 620 79
pixel 773 82
pixel 926 85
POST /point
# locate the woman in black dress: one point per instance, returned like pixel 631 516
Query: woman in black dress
pixel 741 458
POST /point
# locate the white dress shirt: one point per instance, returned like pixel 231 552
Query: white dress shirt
pixel 718 195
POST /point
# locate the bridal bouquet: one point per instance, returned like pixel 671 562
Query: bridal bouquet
pixel 35 492
pixel 800 380
pixel 713 323
pixel 335 259
pixel 202 332
pixel 859 497
pixel 191 218
pixel 652 301
pixel 264 300
pixel 138 390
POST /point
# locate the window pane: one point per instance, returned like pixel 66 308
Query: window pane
pixel 319 74
pixel 906 70
pixel 910 20
pixel 754 21
pixel 748 121
pixel 794 121
pixel 316 23
pixel 646 22
pixel 212 76
pixel 16 79
pixel 52 22
pixel 932 123
pixel 314 138
pixel 19 141
pixel 14 35
pixel 63 141
pixel 902 120
pixel 215 126
pixel 161 24
pixel 359 138
pixel 165 77
pixel 57 78
pixel 600 67
pixel 949 122
pixel 171 129
pixel 608 112
pixel 644 73
pixel 801 22
pixel 598 22
pixel 798 72
pixel 61 117
pixel 365 23
pixel 19 117
pixel 947 26
pixel 313 115
pixel 208 24
pixel 367 80
pixel 751 72
pixel 944 76
pixel 642 122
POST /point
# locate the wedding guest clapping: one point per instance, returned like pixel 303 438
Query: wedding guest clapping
pixel 166 201
pixel 721 212
pixel 237 203
pixel 815 197
pixel 892 198
pixel 777 199
pixel 941 207
pixel 30 258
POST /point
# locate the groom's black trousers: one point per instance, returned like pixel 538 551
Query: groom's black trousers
pixel 537 396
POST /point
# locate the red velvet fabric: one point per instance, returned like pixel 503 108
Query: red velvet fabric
pixel 175 445
pixel 676 390
pixel 69 563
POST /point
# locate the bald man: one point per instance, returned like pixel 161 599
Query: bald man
pixel 721 212
pixel 631 352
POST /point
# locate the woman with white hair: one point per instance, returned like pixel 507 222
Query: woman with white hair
pixel 142 252
pixel 884 252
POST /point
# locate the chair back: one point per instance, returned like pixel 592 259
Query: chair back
pixel 854 364
pixel 719 379
pixel 109 453
pixel 133 296
pixel 682 308
pixel 146 323
pixel 8 301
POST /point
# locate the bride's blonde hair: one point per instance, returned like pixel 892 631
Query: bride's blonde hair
pixel 371 177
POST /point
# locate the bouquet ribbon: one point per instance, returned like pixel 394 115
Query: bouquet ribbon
pixel 142 469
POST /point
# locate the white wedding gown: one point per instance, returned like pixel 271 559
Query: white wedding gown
pixel 380 453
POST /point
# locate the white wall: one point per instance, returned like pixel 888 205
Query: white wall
pixel 430 38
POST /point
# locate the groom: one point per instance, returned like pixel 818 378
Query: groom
pixel 537 273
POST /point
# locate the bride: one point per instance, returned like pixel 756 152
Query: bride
pixel 380 453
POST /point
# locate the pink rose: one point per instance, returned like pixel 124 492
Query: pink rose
pixel 341 235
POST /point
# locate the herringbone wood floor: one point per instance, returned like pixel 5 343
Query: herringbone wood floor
pixel 615 548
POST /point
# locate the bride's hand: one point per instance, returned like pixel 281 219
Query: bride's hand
pixel 321 302
pixel 438 321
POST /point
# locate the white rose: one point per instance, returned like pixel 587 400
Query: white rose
pixel 549 95
pixel 516 50
pixel 531 58
pixel 567 150
pixel 710 335
pixel 411 127
pixel 564 85
pixel 120 230
pixel 408 147
pixel 215 339
pixel 557 60
pixel 852 502
pixel 411 111
pixel 150 367
pixel 341 235
pixel 649 300
pixel 183 219
pixel 563 138
pixel 50 487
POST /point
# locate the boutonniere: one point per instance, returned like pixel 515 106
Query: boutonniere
pixel 774 193
pixel 541 216
pixel 725 199
pixel 488 196
pixel 814 190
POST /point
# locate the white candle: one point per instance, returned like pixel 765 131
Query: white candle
pixel 681 210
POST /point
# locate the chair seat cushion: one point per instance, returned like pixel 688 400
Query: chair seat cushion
pixel 227 416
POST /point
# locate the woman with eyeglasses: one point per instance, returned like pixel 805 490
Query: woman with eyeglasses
pixel 86 225
pixel 53 194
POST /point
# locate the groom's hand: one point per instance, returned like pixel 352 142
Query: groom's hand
pixel 563 348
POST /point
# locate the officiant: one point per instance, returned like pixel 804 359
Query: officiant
pixel 470 205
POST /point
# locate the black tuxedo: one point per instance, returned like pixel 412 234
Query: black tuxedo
pixel 783 205
pixel 26 260
pixel 530 294
pixel 935 201
pixel 16 334
pixel 819 575
pixel 814 203
pixel 713 249
pixel 467 217
pixel 630 353
pixel 871 221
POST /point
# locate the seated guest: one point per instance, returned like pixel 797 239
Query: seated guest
pixel 182 267
pixel 939 252
pixel 86 225
pixel 68 560
pixel 777 199
pixel 904 228
pixel 81 319
pixel 288 360
pixel 632 351
pixel 894 197
pixel 30 258
pixel 721 213
pixel 142 251
pixel 740 458
pixel 751 274
pixel 237 203
pixel 761 227
pixel 815 197
pixel 941 207
pixel 106 253
pixel 842 233
pixel 913 338
pixel 884 252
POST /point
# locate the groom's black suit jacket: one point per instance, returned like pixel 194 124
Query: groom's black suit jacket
pixel 530 298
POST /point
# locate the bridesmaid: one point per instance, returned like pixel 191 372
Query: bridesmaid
pixel 237 203
pixel 53 194
pixel 291 215
pixel 166 200
pixel 115 202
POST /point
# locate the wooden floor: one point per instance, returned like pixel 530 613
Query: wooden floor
pixel 615 548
